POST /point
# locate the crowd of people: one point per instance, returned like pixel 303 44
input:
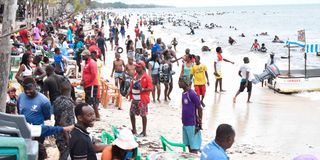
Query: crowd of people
pixel 46 89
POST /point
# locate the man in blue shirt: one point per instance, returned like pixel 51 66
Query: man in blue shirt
pixel 32 104
pixel 216 150
pixel 36 109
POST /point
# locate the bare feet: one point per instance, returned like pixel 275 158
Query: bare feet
pixel 169 98
pixel 134 132
pixel 234 99
pixel 216 91
pixel 222 90
pixel 159 100
pixel 249 101
pixel 142 134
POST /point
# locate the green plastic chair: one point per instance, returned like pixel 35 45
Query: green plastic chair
pixel 115 132
pixel 13 146
pixel 106 138
pixel 168 145
pixel 138 155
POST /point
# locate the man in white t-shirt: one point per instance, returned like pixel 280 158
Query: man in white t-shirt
pixel 246 79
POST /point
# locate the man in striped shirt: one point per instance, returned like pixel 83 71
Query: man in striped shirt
pixel 140 89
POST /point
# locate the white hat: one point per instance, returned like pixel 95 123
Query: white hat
pixel 125 140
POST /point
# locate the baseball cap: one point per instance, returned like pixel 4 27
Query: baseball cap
pixel 140 64
pixel 86 53
pixel 125 140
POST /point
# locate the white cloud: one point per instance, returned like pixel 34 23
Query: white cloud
pixel 207 3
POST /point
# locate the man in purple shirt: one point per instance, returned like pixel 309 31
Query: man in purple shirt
pixel 191 116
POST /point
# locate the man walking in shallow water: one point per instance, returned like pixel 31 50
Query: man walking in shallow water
pixel 246 79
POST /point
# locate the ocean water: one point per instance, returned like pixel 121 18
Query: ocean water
pixel 281 20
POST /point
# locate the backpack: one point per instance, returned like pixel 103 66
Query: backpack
pixel 164 73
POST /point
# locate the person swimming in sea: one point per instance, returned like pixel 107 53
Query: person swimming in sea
pixel 231 41
pixel 263 48
pixel 255 46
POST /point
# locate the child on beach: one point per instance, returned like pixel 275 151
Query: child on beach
pixel 117 69
pixel 199 71
pixel 11 104
pixel 217 69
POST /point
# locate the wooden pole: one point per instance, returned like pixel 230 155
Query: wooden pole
pixel 8 23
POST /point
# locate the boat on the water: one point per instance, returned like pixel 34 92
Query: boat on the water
pixel 302 80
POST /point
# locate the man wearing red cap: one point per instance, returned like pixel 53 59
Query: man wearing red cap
pixel 140 89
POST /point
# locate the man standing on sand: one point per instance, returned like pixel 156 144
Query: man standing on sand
pixel 246 79
pixel 199 71
pixel 191 116
pixel 216 150
pixel 217 68
pixel 140 89
pixel 130 68
pixel 90 82
pixel 117 69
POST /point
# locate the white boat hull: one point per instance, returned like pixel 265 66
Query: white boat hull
pixel 294 85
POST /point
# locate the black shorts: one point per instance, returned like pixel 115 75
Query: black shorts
pixel 155 79
pixel 91 95
pixel 242 86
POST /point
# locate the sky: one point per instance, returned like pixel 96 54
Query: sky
pixel 212 3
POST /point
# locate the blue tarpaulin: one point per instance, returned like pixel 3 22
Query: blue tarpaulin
pixel 309 47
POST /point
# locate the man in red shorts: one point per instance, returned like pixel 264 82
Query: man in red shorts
pixel 199 72
pixel 140 88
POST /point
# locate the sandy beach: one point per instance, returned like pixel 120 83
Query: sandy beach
pixel 273 127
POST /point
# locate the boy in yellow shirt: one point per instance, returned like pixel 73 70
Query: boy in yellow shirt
pixel 199 72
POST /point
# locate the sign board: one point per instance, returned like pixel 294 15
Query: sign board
pixel 302 35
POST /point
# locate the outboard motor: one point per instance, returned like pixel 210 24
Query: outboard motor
pixel 272 71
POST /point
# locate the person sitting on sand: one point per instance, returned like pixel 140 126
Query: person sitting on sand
pixel 263 48
pixel 124 147
pixel 231 41
pixel 216 149
pixel 246 79
pixel 117 69
pixel 255 46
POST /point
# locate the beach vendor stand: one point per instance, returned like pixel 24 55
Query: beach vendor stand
pixel 298 80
